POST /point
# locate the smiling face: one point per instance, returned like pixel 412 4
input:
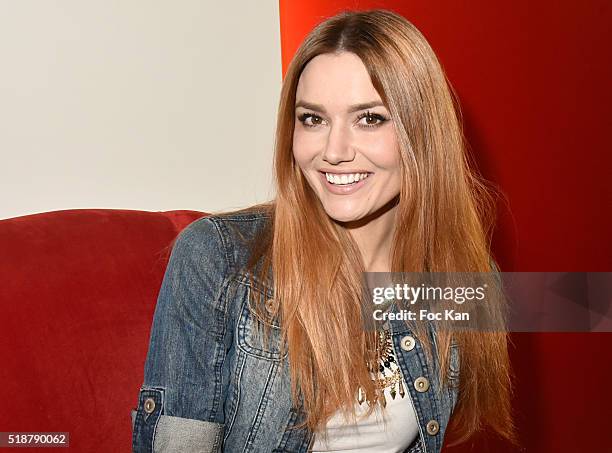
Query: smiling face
pixel 344 141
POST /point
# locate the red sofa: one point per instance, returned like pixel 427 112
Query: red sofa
pixel 77 295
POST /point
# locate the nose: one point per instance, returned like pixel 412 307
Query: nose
pixel 339 146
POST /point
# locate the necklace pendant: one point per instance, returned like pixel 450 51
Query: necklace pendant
pixel 383 400
pixel 402 391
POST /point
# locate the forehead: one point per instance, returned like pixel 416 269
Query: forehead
pixel 338 79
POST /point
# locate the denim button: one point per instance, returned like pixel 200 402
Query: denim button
pixel 149 405
pixel 407 343
pixel 432 427
pixel 421 384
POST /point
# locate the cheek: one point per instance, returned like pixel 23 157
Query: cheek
pixel 305 146
pixel 383 150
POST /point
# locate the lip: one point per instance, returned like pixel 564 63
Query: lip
pixel 344 172
pixel 344 190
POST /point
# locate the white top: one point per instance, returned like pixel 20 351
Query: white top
pixel 388 430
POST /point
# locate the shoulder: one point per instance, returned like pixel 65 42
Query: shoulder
pixel 224 238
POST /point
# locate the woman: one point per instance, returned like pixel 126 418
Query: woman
pixel 258 340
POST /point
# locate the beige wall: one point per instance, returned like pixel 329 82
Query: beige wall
pixel 135 104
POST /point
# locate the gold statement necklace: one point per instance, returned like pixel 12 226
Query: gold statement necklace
pixel 386 370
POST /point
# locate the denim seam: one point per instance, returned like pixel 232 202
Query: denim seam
pixel 225 240
pixel 237 395
pixel 430 397
pixel 436 397
pixel 220 357
pixel 217 444
pixel 293 416
pixel 263 404
pixel 240 217
pixel 409 380
pixel 243 279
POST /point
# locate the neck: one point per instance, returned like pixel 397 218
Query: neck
pixel 373 235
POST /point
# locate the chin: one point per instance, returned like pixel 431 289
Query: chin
pixel 340 216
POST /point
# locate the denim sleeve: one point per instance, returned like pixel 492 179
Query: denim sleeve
pixel 180 405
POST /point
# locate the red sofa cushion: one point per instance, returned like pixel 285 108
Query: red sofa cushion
pixel 78 293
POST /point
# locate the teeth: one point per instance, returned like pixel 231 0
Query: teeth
pixel 345 179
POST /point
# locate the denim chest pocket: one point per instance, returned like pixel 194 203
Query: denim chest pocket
pixel 249 338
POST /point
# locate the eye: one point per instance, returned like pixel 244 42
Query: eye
pixel 369 119
pixel 310 119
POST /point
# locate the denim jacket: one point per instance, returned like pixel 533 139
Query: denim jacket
pixel 211 385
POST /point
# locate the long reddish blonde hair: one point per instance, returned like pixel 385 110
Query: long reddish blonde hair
pixel 443 224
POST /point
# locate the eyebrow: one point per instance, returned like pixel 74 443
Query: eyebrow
pixel 351 108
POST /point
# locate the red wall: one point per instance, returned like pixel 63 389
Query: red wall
pixel 534 83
